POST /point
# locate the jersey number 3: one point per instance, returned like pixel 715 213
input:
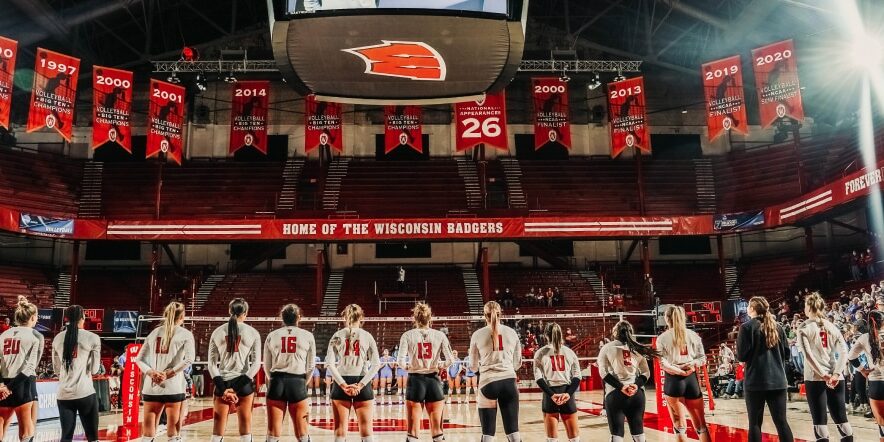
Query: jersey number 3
pixel 289 344
pixel 11 346
pixel 824 338
pixel 424 350
pixel 557 362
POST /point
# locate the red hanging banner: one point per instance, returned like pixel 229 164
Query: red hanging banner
pixel 322 124
pixel 403 127
pixel 482 121
pixel 552 115
pixel 165 120
pixel 628 115
pixel 725 103
pixel 776 80
pixel 111 107
pixel 8 51
pixel 54 92
pixel 131 391
pixel 248 115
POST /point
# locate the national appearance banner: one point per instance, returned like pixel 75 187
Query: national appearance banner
pixel 322 124
pixel 165 120
pixel 776 81
pixel 552 114
pixel 628 115
pixel 8 51
pixel 403 126
pixel 248 115
pixel 111 107
pixel 481 122
pixel 54 92
pixel 725 103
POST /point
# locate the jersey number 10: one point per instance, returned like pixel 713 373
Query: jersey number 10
pixel 289 344
pixel 11 346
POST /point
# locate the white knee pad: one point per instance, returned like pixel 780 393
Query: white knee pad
pixel 245 438
pixel 484 402
pixel 821 432
pixel 487 438
pixel 514 437
pixel 679 430
pixel 638 437
pixel 272 439
pixel 845 429
pixel 616 438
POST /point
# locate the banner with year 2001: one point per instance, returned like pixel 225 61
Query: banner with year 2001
pixel 725 103
pixel 54 92
pixel 776 80
pixel 165 120
pixel 111 107
pixel 628 115
pixel 8 51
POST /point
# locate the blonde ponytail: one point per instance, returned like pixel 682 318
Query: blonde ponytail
pixel 173 312
pixel 768 325
pixel 352 315
pixel 492 318
pixel 554 333
pixel 677 322
pixel 422 315
pixel 24 311
pixel 816 306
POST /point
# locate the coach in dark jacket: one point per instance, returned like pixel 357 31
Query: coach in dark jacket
pixel 762 345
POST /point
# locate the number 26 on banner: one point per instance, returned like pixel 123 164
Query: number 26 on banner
pixel 473 128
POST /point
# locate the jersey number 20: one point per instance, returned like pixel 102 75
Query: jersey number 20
pixel 11 346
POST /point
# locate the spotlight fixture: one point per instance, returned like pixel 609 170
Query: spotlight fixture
pixel 595 83
pixel 564 78
pixel 173 78
pixel 619 77
pixel 684 110
pixel 200 82
pixel 229 78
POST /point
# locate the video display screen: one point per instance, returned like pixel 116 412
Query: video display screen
pixel 308 6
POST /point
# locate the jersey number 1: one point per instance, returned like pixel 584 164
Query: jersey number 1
pixel 424 350
pixel 289 344
pixel 557 362
pixel 11 346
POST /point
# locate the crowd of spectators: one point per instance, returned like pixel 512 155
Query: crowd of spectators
pixel 551 297
pixel 533 338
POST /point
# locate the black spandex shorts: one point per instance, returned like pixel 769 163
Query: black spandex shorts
pixel 35 397
pixel 243 386
pixel 287 387
pixel 424 388
pixel 21 388
pixel 682 386
pixel 550 407
pixel 338 394
pixel 164 398
pixel 876 390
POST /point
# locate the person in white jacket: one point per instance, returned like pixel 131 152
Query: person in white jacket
pixel 76 357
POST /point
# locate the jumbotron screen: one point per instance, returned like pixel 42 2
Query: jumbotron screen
pixel 308 6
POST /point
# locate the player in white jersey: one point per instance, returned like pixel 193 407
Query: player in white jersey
pixel 166 352
pixel 76 357
pixel 18 368
pixel 35 397
pixel 234 360
pixel 623 365
pixel 352 359
pixel 681 356
pixel 289 354
pixel 423 347
pixel 824 348
pixel 557 372
pixel 872 345
pixel 496 353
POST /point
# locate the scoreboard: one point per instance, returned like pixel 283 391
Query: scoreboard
pixel 703 312
pixel 94 319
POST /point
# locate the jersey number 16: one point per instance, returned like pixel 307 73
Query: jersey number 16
pixel 289 344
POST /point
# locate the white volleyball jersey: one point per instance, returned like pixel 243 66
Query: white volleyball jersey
pixel 824 348
pixel 21 348
pixel 352 352
pixel 862 346
pixel 425 347
pixel 557 368
pixel 289 350
pixel 76 383
pixel 245 358
pixel 617 359
pixel 41 347
pixel 672 359
pixel 177 356
pixel 495 360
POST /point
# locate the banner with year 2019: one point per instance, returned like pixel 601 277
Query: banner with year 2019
pixel 628 115
pixel 322 124
pixel 8 51
pixel 165 120
pixel 111 107
pixel 725 103
pixel 481 122
pixel 552 115
pixel 248 116
pixel 54 92
pixel 776 80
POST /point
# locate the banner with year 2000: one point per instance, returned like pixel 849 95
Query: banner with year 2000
pixel 111 107
pixel 54 92
pixel 552 115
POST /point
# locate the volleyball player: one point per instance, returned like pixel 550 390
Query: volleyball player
pixel 35 397
pixel 455 372
pixel 469 379
pixel 76 357
pixel 557 373
pixel 401 377
pixel 166 352
pixel 681 355
pixel 234 360
pixel 352 359
pixel 623 365
pixel 385 374
pixel 289 354
pixel 424 346
pixel 496 353
pixel 823 346
pixel 316 378
pixel 870 344
pixel 18 368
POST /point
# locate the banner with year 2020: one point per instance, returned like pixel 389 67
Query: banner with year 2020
pixel 165 120
pixel 54 92
pixel 552 114
pixel 111 107
pixel 628 115
pixel 725 103
pixel 481 122
pixel 8 51
pixel 776 81
pixel 248 115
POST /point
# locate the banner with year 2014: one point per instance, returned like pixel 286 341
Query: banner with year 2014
pixel 481 122
pixel 776 80
pixel 165 120
pixel 54 92
pixel 628 115
pixel 725 103
pixel 8 51
pixel 552 114
pixel 111 107
pixel 248 116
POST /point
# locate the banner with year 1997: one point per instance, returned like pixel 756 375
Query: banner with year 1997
pixel 725 103
pixel 248 115
pixel 628 115
pixel 552 114
pixel 54 92
pixel 8 50
pixel 165 120
pixel 111 107
pixel 776 80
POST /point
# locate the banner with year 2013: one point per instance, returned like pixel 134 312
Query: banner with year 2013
pixel 8 51
pixel 725 103
pixel 165 120
pixel 111 107
pixel 54 92
pixel 628 115
pixel 776 80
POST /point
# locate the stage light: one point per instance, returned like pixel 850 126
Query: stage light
pixel 229 78
pixel 595 83
pixel 564 78
pixel 189 54
pixel 201 82
pixel 684 111
pixel 866 52
pixel 173 78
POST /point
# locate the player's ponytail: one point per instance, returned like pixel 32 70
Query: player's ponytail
pixel 492 318
pixel 291 315
pixel 352 316
pixel 74 315
pixel 876 318
pixel 815 305
pixel 768 325
pixel 422 315
pixel 171 315
pixel 238 308
pixel 624 333
pixel 677 322
pixel 24 311
pixel 554 333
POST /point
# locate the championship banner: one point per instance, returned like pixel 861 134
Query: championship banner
pixel 248 115
pixel 552 115
pixel 725 103
pixel 322 124
pixel 8 50
pixel 131 391
pixel 165 120
pixel 481 122
pixel 776 80
pixel 111 107
pixel 403 127
pixel 627 112
pixel 54 92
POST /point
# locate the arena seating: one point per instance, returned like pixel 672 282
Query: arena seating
pixel 687 282
pixel 43 184
pixel 33 283
pixel 770 277
pixel 265 292
pixel 598 186
pixel 754 179
pixel 577 293
pixel 670 187
pixel 114 289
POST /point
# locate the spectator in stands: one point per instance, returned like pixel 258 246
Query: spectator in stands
pixel 735 386
pixel 843 298
pixel 855 260
pixel 570 337
pixel 529 297
pixel 507 298
pixel 869 261
pixel 550 294
pixel 795 355
pixel 558 297
pixel 725 354
pixel 400 279
pixel 783 309
pixel 540 297
pixel 648 291
pixel 721 378
pixel 854 306
pixel 732 335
